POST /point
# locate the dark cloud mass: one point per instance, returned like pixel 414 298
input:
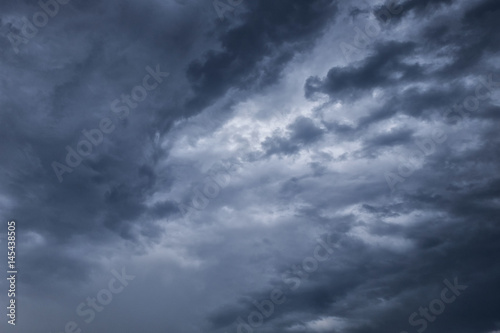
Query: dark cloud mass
pixel 253 165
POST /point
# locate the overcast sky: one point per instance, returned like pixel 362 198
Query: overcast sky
pixel 339 156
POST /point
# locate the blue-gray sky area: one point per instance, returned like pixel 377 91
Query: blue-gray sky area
pixel 243 166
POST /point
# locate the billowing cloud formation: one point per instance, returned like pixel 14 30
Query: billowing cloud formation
pixel 255 166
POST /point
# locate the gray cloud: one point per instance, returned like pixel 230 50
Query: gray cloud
pixel 314 135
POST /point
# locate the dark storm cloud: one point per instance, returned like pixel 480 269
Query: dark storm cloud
pixel 454 196
pixel 379 289
pixel 314 171
pixel 391 139
pixel 420 8
pixel 302 132
pixel 464 41
pixel 472 38
pixel 73 80
pixel 376 71
pixel 69 77
pixel 274 30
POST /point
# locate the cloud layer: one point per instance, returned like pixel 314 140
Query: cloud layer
pixel 285 131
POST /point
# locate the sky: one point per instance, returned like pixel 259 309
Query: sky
pixel 245 166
